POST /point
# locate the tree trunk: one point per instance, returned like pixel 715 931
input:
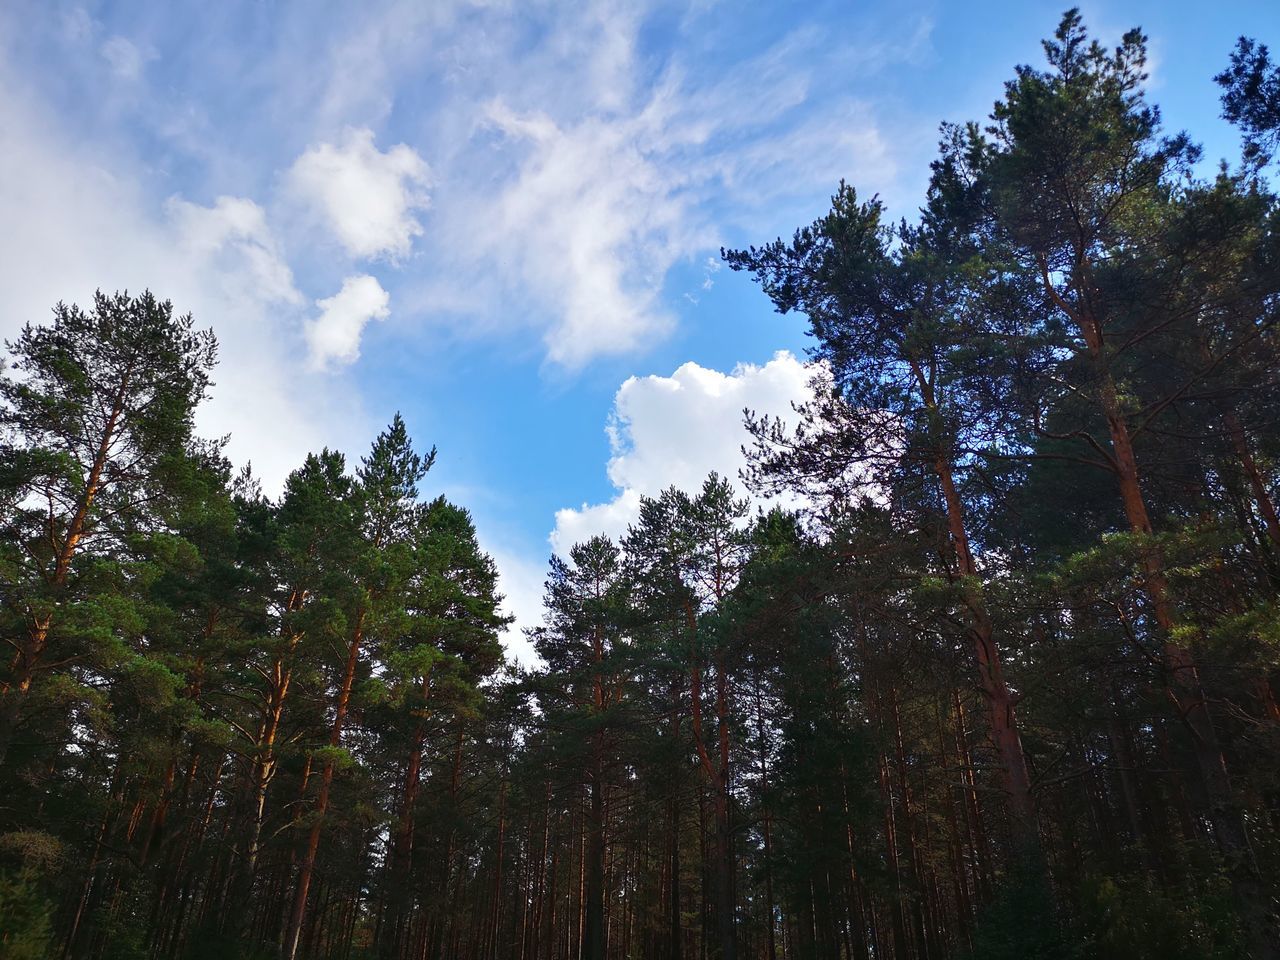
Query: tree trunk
pixel 1261 496
pixel 30 653
pixel 307 868
pixel 1001 702
pixel 593 939
pixel 1183 677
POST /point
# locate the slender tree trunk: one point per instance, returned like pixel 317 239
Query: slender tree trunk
pixel 496 916
pixel 1000 700
pixel 307 868
pixel 716 774
pixel 394 924
pixel 594 931
pixel 675 931
pixel 30 653
pixel 1185 688
pixel 594 934
pixel 1183 676
pixel 1261 495
pixel 906 830
pixel 771 946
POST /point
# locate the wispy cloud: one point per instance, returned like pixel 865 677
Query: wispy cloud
pixel 125 58
pixel 591 223
pixel 543 168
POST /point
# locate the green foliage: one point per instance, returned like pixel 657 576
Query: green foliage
pixel 1131 918
pixel 1023 922
pixel 26 915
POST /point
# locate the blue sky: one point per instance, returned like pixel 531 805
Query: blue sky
pixel 499 218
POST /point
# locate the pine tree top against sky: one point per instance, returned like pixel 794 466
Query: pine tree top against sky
pixel 503 222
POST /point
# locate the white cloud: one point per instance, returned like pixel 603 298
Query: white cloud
pixel 673 431
pixel 575 163
pixel 368 198
pixel 123 56
pixel 566 208
pixel 334 336
pixel 233 234
pixel 521 583
pixel 86 227
pixel 711 266
pixel 591 223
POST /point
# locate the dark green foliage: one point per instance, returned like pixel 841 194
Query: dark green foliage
pixel 25 917
pixel 1023 922
pixel 1251 98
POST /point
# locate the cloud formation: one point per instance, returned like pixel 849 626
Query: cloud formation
pixel 595 172
pixel 124 57
pixel 673 431
pixel 87 225
pixel 369 199
pixel 233 235
pixel 551 168
pixel 334 336
pixel 597 219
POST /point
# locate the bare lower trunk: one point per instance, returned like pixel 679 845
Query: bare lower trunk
pixel 307 868
pixel 1001 701
pixel 593 939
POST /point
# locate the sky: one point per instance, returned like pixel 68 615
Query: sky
pixel 501 219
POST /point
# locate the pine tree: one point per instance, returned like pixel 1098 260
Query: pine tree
pixel 100 412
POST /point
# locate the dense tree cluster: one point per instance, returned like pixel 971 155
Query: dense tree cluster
pixel 1006 686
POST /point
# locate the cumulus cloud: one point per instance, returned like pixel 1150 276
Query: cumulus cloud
pixel 334 336
pixel 673 431
pixel 368 198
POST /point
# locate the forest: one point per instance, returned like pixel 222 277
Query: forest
pixel 1003 685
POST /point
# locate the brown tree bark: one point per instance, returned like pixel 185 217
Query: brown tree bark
pixel 1183 683
pixel 716 773
pixel 1001 701
pixel 308 865
pixel 394 921
pixel 1257 483
pixel 27 661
